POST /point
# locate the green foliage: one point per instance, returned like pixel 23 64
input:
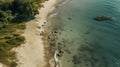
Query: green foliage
pixel 6 16
pixel 24 10
pixel 12 14
pixel 20 26
pixel 18 10
pixel 6 1
pixel 13 64
pixel 9 39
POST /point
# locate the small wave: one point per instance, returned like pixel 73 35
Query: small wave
pixel 57 61
pixel 53 12
pixel 52 15
pixel 62 2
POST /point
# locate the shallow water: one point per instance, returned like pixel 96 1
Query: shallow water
pixel 84 41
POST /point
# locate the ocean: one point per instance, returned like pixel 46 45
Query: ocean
pixel 83 41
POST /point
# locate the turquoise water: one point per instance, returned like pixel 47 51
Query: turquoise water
pixel 84 41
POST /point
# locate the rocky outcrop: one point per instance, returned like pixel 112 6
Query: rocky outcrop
pixel 103 18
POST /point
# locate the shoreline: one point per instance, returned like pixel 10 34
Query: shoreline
pixel 33 52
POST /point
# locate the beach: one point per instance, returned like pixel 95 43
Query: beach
pixel 32 52
pixel 2 65
pixel 65 33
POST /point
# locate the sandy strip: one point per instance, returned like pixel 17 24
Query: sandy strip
pixel 31 54
pixel 1 65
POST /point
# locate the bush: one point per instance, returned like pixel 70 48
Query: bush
pixel 21 26
pixel 12 42
pixel 20 39
pixel 8 37
pixel 6 16
pixel 16 34
pixel 13 64
pixel 12 14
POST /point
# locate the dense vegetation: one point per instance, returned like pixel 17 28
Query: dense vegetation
pixel 10 38
pixel 13 14
pixel 17 10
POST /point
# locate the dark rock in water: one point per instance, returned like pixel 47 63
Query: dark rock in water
pixel 61 51
pixel 67 51
pixel 69 18
pixel 76 60
pixel 59 55
pixel 87 32
pixel 103 18
pixel 55 32
pixel 59 43
pixel 86 65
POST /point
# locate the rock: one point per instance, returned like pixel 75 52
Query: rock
pixel 69 18
pixel 55 32
pixel 42 25
pixel 42 6
pixel 61 51
pixel 59 55
pixel 103 18
pixel 44 22
pixel 52 62
pixel 38 27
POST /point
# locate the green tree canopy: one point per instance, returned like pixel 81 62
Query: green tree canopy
pixel 6 16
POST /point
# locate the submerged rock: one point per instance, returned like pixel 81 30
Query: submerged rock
pixel 59 55
pixel 69 18
pixel 60 51
pixel 103 18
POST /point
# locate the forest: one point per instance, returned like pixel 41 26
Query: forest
pixel 13 15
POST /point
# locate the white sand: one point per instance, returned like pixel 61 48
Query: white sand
pixel 31 54
pixel 1 65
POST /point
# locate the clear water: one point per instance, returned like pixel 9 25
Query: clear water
pixel 86 42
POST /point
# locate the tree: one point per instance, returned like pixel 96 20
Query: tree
pixel 6 16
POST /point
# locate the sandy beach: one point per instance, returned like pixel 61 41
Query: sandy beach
pixel 2 65
pixel 32 53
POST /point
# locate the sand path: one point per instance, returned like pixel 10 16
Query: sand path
pixel 31 54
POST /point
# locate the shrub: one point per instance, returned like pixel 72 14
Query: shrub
pixel 13 64
pixel 20 39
